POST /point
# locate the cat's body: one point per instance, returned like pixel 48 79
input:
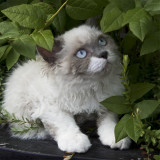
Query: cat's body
pixel 63 84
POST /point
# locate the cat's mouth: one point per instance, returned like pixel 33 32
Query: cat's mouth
pixel 98 65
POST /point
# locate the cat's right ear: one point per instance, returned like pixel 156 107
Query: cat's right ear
pixel 93 22
pixel 50 56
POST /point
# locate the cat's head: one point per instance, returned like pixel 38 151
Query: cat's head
pixel 82 51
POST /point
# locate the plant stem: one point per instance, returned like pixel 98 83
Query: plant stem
pixel 125 78
pixel 52 17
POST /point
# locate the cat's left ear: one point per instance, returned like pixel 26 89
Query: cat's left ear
pixel 50 56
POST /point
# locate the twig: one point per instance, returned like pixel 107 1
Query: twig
pixel 52 17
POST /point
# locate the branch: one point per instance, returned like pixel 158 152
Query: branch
pixel 52 17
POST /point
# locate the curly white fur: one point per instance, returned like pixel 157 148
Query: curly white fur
pixel 37 91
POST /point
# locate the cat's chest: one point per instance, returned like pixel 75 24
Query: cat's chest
pixel 78 101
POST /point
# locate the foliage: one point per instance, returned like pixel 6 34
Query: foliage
pixel 26 124
pixel 135 26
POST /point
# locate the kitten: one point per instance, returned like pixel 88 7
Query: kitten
pixel 82 70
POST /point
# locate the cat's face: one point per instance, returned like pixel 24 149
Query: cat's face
pixel 83 51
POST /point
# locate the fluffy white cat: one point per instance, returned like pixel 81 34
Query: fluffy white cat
pixel 82 70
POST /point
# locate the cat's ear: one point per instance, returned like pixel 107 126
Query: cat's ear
pixel 93 22
pixel 50 56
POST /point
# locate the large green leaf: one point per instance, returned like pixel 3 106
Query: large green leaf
pixel 59 21
pixel 101 3
pixel 9 30
pixel 81 10
pixel 134 128
pixel 108 8
pixel 138 90
pixel 124 5
pixel 146 108
pixel 153 7
pixel 44 39
pixel 25 46
pixel 27 15
pixel 2 50
pixel 8 27
pixel 48 9
pixel 120 129
pixel 134 15
pixel 116 104
pixel 12 58
pixel 151 43
pixel 9 35
pixel 112 20
pixel 2 41
pixel 141 27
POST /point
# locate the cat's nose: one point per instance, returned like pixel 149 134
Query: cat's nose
pixel 104 55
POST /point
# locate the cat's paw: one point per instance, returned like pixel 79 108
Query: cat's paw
pixel 122 144
pixel 109 140
pixel 77 142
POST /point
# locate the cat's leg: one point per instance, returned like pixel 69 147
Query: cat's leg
pixel 106 124
pixel 63 128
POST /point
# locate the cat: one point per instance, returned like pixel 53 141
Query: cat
pixel 82 70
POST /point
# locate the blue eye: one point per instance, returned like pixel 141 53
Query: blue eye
pixel 81 53
pixel 102 41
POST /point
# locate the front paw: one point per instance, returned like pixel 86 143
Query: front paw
pixel 73 142
pixel 109 140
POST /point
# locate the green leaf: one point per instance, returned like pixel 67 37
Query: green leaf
pixel 12 30
pixel 124 5
pixel 141 27
pixel 8 27
pixel 25 46
pixel 134 128
pixel 134 15
pixel 120 129
pixel 146 108
pixel 44 39
pixel 138 3
pixel 12 58
pixel 2 50
pixel 157 157
pixel 48 9
pixel 101 3
pixel 2 41
pixel 151 43
pixel 27 15
pixel 9 30
pixel 81 10
pixel 8 36
pixel 6 53
pixel 138 90
pixel 24 30
pixel 116 104
pixel 108 8
pixel 112 20
pixel 153 7
pixel 59 21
